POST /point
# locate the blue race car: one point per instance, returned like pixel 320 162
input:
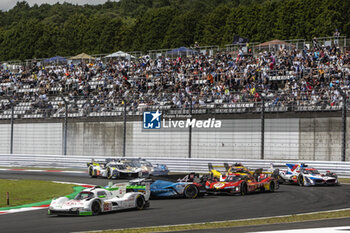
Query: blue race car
pixel 191 186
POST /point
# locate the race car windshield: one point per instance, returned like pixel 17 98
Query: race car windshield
pixel 312 172
pixel 121 167
pixel 233 178
pixel 136 163
pixel 84 195
pixel 146 163
pixel 238 170
pixel 130 164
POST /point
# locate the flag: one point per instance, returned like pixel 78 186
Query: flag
pixel 239 40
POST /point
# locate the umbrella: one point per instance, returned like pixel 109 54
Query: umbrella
pixel 120 54
pixel 82 56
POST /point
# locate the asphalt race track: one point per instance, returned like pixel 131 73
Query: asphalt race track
pixel 289 199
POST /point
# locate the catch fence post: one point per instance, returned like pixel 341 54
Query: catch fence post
pixel 190 133
pixel 343 154
pixel 124 128
pixel 262 117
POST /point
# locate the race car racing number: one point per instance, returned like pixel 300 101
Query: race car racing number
pixel 107 206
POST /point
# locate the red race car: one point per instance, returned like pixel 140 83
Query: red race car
pixel 238 183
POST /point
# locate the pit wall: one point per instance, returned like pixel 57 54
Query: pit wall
pixel 285 139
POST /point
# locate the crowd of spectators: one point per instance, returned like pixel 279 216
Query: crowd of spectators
pixel 317 77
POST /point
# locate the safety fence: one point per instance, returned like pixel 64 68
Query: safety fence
pixel 185 165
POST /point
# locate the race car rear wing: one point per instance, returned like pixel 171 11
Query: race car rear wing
pixel 99 162
pixel 140 185
pixel 212 167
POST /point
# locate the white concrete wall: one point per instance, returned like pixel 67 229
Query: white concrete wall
pixel 239 139
pixel 155 143
pixel 5 132
pixel 281 139
pixel 95 138
pixel 320 139
pixel 37 138
pixel 292 138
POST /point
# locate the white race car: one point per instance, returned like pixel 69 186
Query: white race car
pixel 146 167
pixel 111 168
pixel 93 201
pixel 303 175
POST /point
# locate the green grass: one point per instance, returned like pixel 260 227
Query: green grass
pixel 31 191
pixel 344 180
pixel 237 223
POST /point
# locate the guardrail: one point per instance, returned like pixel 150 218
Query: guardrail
pixel 174 164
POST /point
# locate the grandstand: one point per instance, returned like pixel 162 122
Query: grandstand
pixel 288 79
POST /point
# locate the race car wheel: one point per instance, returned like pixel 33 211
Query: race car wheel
pixel 191 191
pixel 140 202
pixel 280 180
pixel 244 189
pixel 92 172
pixel 95 208
pixel 300 180
pixel 109 173
pixel 272 186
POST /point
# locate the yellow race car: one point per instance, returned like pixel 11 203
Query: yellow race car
pixel 236 168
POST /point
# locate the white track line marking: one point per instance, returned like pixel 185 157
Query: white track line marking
pixel 311 230
pixel 229 221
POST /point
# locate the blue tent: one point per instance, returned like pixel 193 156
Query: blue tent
pixel 182 51
pixel 57 59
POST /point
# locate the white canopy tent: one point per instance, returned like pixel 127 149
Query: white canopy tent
pixel 120 54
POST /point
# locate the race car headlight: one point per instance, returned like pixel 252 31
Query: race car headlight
pixel 309 180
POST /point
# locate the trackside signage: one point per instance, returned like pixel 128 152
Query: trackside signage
pixel 154 120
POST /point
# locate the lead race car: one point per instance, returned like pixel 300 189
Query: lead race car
pixel 304 175
pixel 96 200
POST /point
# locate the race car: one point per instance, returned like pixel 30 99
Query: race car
pixel 234 169
pixel 157 170
pixel 146 167
pixel 112 169
pixel 96 200
pixel 303 175
pixel 239 183
pixel 191 186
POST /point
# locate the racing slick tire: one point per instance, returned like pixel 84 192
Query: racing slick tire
pixel 96 208
pixel 281 180
pixel 140 202
pixel 92 172
pixel 272 186
pixel 191 191
pixel 244 189
pixel 300 180
pixel 109 173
